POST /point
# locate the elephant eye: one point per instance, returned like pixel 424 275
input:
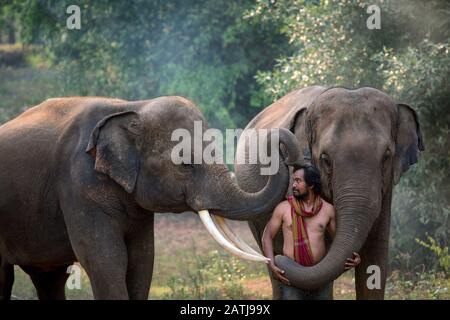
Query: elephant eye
pixel 387 155
pixel 325 160
pixel 135 127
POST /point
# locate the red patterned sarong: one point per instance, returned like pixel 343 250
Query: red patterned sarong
pixel 302 248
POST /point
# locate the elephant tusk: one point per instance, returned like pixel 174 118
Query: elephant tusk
pixel 215 233
pixel 223 226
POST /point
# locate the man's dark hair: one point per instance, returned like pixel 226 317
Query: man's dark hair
pixel 311 175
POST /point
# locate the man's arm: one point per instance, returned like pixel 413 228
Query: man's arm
pixel 269 233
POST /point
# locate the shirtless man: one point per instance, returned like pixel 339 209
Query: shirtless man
pixel 314 217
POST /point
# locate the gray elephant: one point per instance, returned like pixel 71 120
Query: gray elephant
pixel 81 178
pixel 362 142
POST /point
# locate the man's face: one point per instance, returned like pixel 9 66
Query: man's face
pixel 300 189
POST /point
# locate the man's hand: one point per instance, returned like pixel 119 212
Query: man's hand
pixel 353 262
pixel 278 274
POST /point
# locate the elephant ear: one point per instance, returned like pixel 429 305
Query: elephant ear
pixel 409 141
pixel 301 128
pixel 112 144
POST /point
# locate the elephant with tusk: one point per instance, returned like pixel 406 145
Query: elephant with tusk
pixel 82 176
pixel 362 142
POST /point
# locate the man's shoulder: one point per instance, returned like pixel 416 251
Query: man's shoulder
pixel 283 204
pixel 327 206
pixel 283 207
pixel 326 203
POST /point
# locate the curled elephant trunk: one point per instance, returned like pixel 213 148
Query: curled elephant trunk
pixel 242 205
pixel 356 214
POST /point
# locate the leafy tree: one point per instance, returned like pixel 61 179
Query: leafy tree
pixel 204 50
pixel 7 21
pixel 421 76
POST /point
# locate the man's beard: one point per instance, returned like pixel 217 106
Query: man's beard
pixel 299 196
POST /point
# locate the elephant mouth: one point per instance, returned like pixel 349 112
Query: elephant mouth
pixel 219 229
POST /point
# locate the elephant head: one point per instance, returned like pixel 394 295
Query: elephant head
pixel 362 142
pixel 134 147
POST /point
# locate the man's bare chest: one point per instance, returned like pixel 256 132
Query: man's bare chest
pixel 317 223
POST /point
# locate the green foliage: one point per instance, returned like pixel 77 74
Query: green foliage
pixel 204 50
pixel 210 276
pixel 23 88
pixel 441 252
pixel 420 76
pixel 426 285
pixel 333 45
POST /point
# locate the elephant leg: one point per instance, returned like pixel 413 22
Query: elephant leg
pixel 98 241
pixel 6 279
pixel 373 253
pixel 50 285
pixel 105 262
pixel 140 246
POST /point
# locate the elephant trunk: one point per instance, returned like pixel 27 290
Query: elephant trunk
pixel 248 206
pixel 356 210
pixel 243 205
pixel 237 204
